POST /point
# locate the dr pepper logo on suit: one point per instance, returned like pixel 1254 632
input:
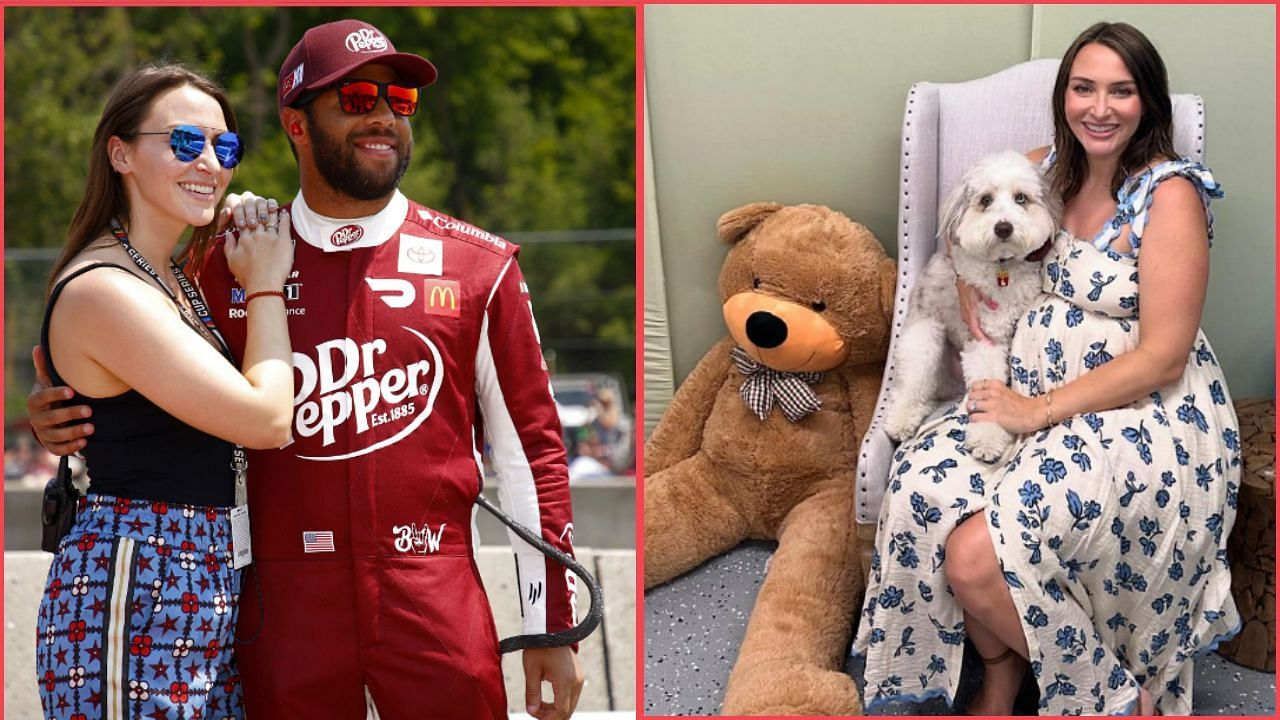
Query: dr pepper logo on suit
pixel 348 388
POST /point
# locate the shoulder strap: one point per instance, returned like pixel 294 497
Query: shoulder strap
pixel 1139 198
pixel 48 312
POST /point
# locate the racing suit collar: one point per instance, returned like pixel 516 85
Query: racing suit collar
pixel 344 234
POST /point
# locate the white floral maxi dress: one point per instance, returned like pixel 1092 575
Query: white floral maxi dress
pixel 1110 527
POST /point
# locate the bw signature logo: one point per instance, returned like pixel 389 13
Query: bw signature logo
pixel 421 541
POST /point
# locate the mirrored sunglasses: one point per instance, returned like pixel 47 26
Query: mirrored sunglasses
pixel 187 143
pixel 360 97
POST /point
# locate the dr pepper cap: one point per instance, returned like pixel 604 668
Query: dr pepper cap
pixel 328 52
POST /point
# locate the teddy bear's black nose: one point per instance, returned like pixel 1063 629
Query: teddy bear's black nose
pixel 1004 229
pixel 766 330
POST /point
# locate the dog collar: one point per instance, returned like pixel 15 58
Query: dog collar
pixel 1002 273
pixel 1038 255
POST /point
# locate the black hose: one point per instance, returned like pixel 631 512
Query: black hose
pixel 564 637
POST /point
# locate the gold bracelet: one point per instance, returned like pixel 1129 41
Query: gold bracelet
pixel 1048 408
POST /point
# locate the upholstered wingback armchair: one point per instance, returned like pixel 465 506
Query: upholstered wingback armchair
pixel 945 128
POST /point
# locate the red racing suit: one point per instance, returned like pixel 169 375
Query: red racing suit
pixel 408 327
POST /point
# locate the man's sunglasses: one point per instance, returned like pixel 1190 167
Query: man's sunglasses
pixel 360 97
pixel 187 142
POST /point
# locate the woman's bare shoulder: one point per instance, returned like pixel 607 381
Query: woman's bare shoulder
pixel 101 250
pixel 104 291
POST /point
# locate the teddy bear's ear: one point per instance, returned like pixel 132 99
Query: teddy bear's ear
pixel 888 285
pixel 735 224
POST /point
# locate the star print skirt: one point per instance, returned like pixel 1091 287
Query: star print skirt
pixel 138 615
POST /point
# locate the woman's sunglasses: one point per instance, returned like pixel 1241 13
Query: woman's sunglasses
pixel 187 142
pixel 359 97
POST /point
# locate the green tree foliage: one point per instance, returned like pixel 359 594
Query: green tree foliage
pixel 530 129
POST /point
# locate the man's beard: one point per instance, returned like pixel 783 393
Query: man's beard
pixel 336 160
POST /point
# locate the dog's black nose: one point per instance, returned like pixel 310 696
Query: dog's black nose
pixel 766 330
pixel 1004 229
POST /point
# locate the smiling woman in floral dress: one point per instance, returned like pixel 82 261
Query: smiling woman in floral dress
pixel 1095 555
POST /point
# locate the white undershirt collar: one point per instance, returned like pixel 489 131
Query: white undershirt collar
pixel 344 234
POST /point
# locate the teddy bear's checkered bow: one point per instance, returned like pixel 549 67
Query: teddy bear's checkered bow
pixel 763 385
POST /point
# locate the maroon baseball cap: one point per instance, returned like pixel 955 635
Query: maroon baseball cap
pixel 328 52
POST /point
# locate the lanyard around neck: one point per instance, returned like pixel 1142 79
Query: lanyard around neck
pixel 188 288
pixel 240 460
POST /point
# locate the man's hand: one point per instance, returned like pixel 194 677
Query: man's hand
pixel 50 421
pixel 560 667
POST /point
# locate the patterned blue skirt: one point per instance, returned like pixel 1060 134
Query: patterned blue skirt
pixel 138 615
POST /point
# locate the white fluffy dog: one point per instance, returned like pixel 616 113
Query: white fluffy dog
pixel 999 220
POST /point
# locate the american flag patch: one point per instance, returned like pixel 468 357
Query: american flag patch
pixel 314 541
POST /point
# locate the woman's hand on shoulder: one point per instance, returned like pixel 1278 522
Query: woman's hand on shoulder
pixel 261 256
pixel 245 210
pixel 1038 155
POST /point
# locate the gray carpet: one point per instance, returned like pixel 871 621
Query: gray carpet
pixel 694 624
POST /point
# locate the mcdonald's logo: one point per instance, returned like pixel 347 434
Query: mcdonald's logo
pixel 442 297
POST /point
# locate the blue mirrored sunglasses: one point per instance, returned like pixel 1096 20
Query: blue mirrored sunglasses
pixel 187 142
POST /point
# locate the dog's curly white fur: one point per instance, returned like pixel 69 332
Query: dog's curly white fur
pixel 1000 212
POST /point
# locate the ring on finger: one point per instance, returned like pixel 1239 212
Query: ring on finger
pixel 973 406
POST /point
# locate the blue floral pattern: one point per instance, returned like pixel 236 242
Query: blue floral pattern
pixel 1110 527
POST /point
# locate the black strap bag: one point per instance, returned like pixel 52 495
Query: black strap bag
pixel 58 511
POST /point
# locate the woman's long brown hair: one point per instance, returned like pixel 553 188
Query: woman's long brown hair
pixel 104 194
pixel 1154 135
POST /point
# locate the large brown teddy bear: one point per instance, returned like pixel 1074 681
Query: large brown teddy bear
pixel 747 452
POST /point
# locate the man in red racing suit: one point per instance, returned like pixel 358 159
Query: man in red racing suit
pixel 411 331
pixel 362 525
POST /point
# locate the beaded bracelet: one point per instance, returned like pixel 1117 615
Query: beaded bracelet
pixel 276 293
pixel 1048 407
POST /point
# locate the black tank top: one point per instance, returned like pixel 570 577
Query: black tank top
pixel 138 450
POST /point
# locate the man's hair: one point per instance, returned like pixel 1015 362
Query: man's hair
pixel 1154 135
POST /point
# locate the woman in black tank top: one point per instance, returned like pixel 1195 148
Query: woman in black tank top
pixel 139 609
